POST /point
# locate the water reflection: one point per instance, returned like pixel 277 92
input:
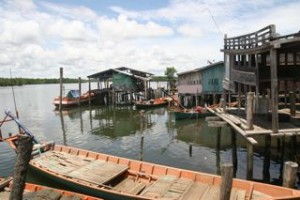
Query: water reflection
pixel 156 137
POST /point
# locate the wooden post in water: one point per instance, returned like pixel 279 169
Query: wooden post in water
pixel 266 164
pixel 274 89
pixel 218 148
pixel 250 97
pixel 249 161
pixel 79 82
pixel 61 71
pixel 234 151
pixel 290 174
pixel 239 96
pixel 24 150
pixel 226 185
pixel 292 104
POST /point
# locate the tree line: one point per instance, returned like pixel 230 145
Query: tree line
pixel 28 81
pixel 169 77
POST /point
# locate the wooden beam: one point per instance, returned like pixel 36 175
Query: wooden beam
pixel 235 127
pixel 274 89
pixel 226 185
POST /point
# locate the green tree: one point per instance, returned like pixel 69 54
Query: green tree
pixel 171 79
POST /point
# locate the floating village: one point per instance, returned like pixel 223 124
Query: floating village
pixel 255 91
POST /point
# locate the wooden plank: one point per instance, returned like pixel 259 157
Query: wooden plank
pixel 160 187
pixel 5 182
pixel 195 192
pixel 177 189
pixel 235 127
pixel 213 192
pixel 98 172
pixel 130 186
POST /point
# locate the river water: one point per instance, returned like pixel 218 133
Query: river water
pixel 152 135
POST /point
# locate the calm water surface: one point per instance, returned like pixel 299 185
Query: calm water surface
pixel 187 144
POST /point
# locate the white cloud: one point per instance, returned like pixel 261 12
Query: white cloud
pixel 20 32
pixel 124 28
pixel 41 37
pixel 190 30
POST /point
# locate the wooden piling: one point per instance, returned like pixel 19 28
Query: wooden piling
pixel 234 151
pixel 266 164
pixel 290 174
pixel 274 89
pixel 79 86
pixel 24 150
pixel 223 104
pixel 292 104
pixel 249 161
pixel 226 185
pixel 61 71
pixel 250 97
pixel 218 148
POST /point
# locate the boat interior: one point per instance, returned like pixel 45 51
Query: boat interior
pixel 144 180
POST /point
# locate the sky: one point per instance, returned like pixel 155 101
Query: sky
pixel 37 38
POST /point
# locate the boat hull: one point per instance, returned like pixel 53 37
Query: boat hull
pixel 85 177
pixel 42 191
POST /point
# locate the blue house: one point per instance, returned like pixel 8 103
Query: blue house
pixel 201 85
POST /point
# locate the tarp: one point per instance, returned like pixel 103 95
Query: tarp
pixel 73 94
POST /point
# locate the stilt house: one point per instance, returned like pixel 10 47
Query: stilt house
pixel 120 85
pixel 202 85
pixel 265 63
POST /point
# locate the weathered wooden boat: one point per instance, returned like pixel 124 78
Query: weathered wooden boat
pixel 34 191
pixel 193 113
pixel 73 99
pixel 112 177
pixel 153 103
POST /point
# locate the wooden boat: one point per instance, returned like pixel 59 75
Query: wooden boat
pixel 153 103
pixel 73 99
pixel 197 112
pixel 34 191
pixel 112 177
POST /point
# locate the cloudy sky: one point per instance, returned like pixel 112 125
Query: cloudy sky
pixel 85 37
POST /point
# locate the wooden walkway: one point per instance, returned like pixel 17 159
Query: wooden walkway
pixel 261 125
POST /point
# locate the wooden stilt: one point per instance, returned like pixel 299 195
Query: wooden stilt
pixel 250 97
pixel 60 88
pixel 218 147
pixel 274 89
pixel 266 164
pixel 79 86
pixel 293 103
pixel 226 185
pixel 89 91
pixel 234 152
pixel 249 161
pixel 24 150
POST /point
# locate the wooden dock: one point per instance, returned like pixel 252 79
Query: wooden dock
pixel 249 125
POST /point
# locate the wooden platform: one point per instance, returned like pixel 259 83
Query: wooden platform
pixel 261 125
pixel 97 172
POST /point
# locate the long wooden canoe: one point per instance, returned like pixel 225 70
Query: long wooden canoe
pixel 159 102
pixel 112 177
pixel 34 191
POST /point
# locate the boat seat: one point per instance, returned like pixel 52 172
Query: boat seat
pixel 168 187
pixel 130 186
pixel 98 172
